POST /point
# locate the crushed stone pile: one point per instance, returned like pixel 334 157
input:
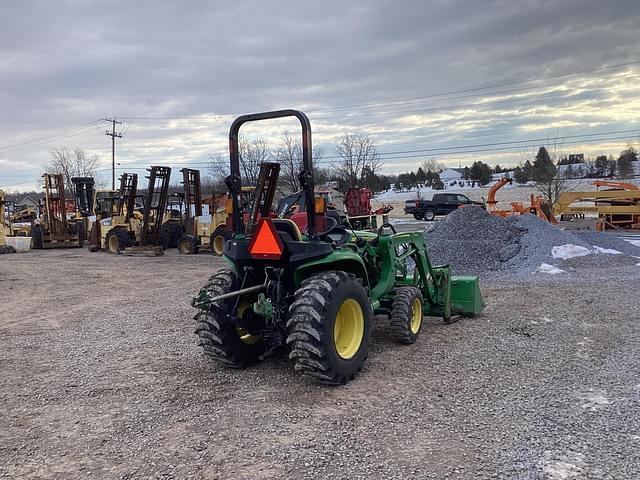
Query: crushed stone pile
pixel 476 243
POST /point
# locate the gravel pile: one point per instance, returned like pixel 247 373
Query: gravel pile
pixel 476 243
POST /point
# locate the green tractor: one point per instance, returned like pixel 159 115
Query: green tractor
pixel 314 293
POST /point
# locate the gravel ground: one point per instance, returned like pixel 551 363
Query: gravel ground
pixel 102 378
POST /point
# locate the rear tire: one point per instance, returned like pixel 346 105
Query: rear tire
pixel 37 241
pixel 117 240
pixel 417 216
pixel 188 245
pixel 429 215
pixel 407 315
pixel 329 328
pixel 219 337
pixel 218 238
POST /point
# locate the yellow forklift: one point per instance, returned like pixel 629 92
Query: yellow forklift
pixel 206 231
pixel 131 231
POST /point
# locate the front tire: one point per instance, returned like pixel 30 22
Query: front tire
pixel 79 231
pixel 218 238
pixel 188 245
pixel 170 233
pixel 117 240
pixel 329 328
pixel 407 315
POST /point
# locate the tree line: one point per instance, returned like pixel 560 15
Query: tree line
pixel 601 166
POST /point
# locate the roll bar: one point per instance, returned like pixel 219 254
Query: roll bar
pixel 234 182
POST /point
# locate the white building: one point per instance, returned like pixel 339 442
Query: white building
pixel 450 175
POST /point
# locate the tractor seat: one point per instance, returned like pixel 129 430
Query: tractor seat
pixel 287 226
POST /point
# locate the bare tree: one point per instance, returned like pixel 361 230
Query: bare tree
pixel 252 154
pixel 550 181
pixel 289 155
pixel 431 164
pixel 358 155
pixel 72 163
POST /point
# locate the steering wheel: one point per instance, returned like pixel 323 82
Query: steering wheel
pixel 335 224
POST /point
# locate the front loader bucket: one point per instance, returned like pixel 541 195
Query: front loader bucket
pixel 466 298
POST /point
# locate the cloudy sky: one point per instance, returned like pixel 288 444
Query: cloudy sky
pixel 451 80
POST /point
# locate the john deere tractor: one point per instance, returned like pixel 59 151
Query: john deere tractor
pixel 314 293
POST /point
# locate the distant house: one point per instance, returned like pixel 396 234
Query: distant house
pixel 27 202
pixel 450 175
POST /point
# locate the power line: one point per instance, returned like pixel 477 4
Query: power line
pixel 458 150
pixel 412 100
pixel 495 85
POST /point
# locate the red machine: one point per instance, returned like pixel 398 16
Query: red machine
pixel 357 203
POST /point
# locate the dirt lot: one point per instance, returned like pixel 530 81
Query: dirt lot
pixel 102 378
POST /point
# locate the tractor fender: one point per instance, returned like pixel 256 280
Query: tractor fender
pixel 349 262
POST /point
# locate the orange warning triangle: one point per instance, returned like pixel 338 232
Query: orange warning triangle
pixel 265 242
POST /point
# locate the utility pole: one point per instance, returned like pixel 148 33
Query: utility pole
pixel 113 136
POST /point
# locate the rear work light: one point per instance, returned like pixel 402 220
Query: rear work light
pixel 265 242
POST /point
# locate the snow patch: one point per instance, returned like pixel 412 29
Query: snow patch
pixel 569 250
pixel 635 243
pixel 606 251
pixel 550 269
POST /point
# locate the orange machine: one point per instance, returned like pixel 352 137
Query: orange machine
pixel 536 206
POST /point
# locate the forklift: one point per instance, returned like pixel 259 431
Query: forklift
pixel 56 229
pixel 130 232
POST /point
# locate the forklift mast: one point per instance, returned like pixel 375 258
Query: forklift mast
pixel 83 190
pixel 264 193
pixel 155 205
pixel 55 205
pixel 192 197
pixel 128 192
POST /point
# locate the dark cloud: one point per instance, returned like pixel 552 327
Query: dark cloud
pixel 66 63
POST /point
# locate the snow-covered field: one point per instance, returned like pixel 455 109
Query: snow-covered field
pixel 507 194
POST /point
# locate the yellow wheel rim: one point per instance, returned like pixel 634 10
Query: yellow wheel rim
pixel 348 329
pixel 416 316
pixel 218 244
pixel 113 244
pixel 245 336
